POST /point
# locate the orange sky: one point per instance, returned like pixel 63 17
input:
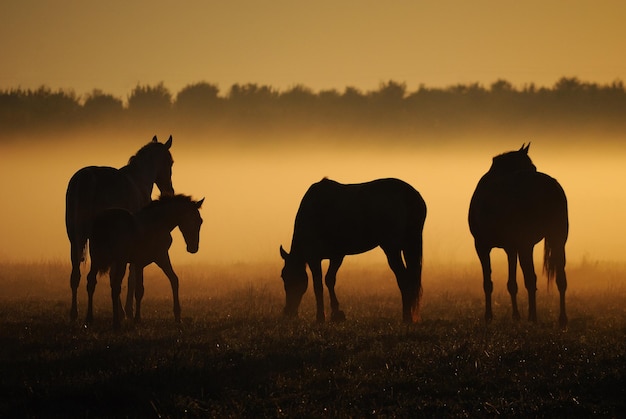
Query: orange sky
pixel 114 45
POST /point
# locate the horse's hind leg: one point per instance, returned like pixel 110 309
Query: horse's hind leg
pixel 561 283
pixel 558 257
pixel 511 284
pixel 91 288
pixel 77 250
pixel 413 261
pixel 331 279
pixel 530 280
pixel 394 258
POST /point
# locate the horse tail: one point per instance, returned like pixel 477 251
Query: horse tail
pixel 554 244
pixel 414 252
pixel 78 202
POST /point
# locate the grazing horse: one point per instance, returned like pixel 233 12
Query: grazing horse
pixel 93 189
pixel 120 237
pixel 513 208
pixel 335 220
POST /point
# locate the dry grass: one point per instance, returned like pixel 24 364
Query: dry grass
pixel 235 356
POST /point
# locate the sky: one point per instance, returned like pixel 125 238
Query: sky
pixel 113 46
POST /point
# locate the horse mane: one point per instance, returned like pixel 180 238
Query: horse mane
pixel 165 199
pixel 144 151
pixel 512 162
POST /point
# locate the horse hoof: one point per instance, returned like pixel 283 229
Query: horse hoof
pixel 338 316
pixel 320 318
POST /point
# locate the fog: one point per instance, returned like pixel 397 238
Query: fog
pixel 253 191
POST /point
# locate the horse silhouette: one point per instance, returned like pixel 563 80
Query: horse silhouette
pixel 93 189
pixel 335 220
pixel 513 208
pixel 120 237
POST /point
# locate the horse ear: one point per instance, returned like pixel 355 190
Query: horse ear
pixel 283 253
pixel 154 139
pixel 522 147
pixel 199 203
pixel 527 147
pixel 168 143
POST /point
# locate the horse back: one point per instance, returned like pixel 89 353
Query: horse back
pixel 93 189
pixel 521 206
pixel 354 218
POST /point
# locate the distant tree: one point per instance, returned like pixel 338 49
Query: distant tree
pixel 150 100
pixel 197 98
pixel 98 104
pixel 252 94
pixel 253 102
pixel 501 86
pixel 298 95
pixel 568 85
pixel 390 92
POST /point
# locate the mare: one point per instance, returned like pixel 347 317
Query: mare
pixel 120 237
pixel 93 189
pixel 513 208
pixel 335 220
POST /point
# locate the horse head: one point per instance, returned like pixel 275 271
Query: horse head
pixel 190 225
pixel 164 162
pixel 295 280
pixel 513 161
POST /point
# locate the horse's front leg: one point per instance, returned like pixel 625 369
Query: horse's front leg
pixel 116 275
pixel 485 262
pixel 139 291
pixel 331 279
pixel 530 281
pixel 130 292
pixel 165 264
pixel 316 271
pixel 91 288
pixel 511 284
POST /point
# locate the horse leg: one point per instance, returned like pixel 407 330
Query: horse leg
pixel 331 279
pixel 316 272
pixel 394 259
pixel 530 280
pixel 413 262
pixel 139 291
pixel 166 266
pixel 76 254
pixel 561 283
pixel 91 288
pixel 485 262
pixel 116 275
pixel 130 292
pixel 511 284
pixel 558 258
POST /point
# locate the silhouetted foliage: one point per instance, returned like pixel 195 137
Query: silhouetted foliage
pixel 102 106
pixel 150 100
pixel 569 103
pixel 198 98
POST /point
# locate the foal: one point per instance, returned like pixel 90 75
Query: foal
pixel 120 237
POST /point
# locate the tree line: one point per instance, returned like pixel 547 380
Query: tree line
pixel 569 102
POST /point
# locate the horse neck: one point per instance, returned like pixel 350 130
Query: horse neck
pixel 165 217
pixel 142 174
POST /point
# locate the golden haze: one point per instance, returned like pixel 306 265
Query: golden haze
pixel 252 193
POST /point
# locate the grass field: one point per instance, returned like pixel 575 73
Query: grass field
pixel 235 356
